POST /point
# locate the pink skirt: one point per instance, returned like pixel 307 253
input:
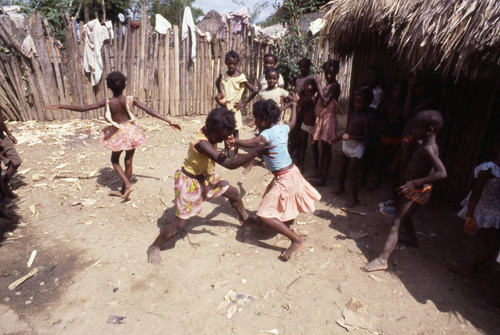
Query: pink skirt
pixel 190 193
pixel 325 128
pixel 288 195
pixel 127 137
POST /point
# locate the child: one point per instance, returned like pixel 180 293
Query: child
pixel 230 87
pixel 481 212
pixel 304 65
pixel 196 181
pixel 353 144
pixel 305 107
pixel 9 156
pixel 423 169
pixel 390 125
pixel 270 61
pixel 122 134
pixel 289 193
pixel 325 129
pixel 275 93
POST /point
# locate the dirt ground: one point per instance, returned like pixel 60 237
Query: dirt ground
pixel 91 253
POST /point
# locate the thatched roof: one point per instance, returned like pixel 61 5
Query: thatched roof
pixel 459 37
pixel 212 23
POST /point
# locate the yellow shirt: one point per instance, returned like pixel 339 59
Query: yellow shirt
pixel 233 88
pixel 197 163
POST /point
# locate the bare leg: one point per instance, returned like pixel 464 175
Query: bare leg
pixel 11 170
pixel 352 175
pixel 165 234
pixel 324 164
pixel 405 212
pixel 297 243
pixel 234 199
pixel 115 161
pixel 315 150
pixel 302 148
pixel 344 163
pixel 129 156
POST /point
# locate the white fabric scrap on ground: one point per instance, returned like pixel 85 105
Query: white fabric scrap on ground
pixel 28 48
pixel 189 26
pixel 161 24
pixel 94 34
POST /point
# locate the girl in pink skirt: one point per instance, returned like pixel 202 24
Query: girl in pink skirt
pixel 122 134
pixel 289 193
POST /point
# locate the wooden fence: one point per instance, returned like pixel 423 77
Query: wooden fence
pixel 159 69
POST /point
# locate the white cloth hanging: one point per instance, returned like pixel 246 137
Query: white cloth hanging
pixel 94 34
pixel 161 24
pixel 188 26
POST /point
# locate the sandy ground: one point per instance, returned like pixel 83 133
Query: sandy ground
pixel 91 253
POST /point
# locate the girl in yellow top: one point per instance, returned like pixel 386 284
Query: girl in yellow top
pixel 196 181
pixel 230 87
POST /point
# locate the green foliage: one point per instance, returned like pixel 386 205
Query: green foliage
pixel 293 46
pixel 172 10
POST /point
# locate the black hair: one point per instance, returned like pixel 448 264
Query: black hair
pixel 232 54
pixel 267 110
pixel 312 82
pixel 430 118
pixel 366 94
pixel 270 70
pixel 116 82
pixel 306 62
pixel 332 63
pixel 273 56
pixel 220 119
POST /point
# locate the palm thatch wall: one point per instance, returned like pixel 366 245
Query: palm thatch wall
pixel 458 40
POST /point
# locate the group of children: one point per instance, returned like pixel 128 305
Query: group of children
pixel 373 124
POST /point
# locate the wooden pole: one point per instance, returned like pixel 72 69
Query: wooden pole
pixel 55 62
pixel 167 89
pixel 161 75
pixel 177 71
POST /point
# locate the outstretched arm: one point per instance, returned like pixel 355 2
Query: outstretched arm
pixel 155 114
pixel 208 150
pixel 77 108
pixel 293 116
pixel 249 143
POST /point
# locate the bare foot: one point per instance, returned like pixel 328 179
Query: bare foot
pixel 376 265
pixel 251 220
pixel 115 193
pixel 127 192
pixel 351 203
pixel 294 248
pixel 154 255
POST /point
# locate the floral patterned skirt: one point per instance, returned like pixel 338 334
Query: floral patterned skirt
pixel 127 137
pixel 190 193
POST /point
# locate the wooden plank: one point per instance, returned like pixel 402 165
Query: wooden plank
pixel 177 71
pixel 161 75
pixel 142 55
pixel 167 74
pixel 128 60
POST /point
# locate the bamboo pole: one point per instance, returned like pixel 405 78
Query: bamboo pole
pixel 177 71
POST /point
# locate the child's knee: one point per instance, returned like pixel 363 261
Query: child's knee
pixel 232 193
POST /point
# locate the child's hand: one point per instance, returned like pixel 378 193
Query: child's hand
pixel 471 227
pixel 345 136
pixel 13 139
pixel 230 142
pixel 410 185
pixel 221 99
pixel 175 126
pixel 264 149
pixel 239 105
pixel 252 124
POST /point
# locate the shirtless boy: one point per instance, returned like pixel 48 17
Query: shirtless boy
pixel 423 169
pixel 307 101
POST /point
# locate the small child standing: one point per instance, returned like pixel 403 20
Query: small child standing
pixel 289 193
pixel 325 129
pixel 196 181
pixel 230 87
pixel 122 134
pixel 423 169
pixel 304 65
pixel 353 143
pixel 307 101
pixel 270 61
pixel 9 156
pixel 274 92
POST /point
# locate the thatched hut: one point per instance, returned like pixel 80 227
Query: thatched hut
pixel 212 23
pixel 458 40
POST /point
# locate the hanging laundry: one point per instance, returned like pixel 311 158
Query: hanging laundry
pixel 162 25
pixel 242 16
pixel 28 47
pixel 94 34
pixel 189 27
